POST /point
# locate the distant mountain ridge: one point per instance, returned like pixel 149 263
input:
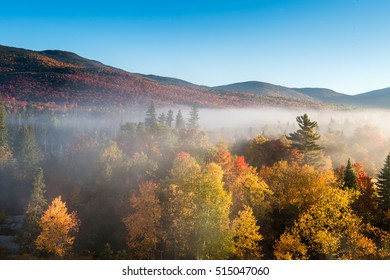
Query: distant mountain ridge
pixel 61 76
pixel 266 89
pixel 64 77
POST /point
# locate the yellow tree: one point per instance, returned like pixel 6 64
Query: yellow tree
pixel 330 230
pixel 181 205
pixel 143 225
pixel 180 213
pixel 246 235
pixel 248 189
pixel 213 237
pixel 296 188
pixel 110 156
pixel 58 229
pixel 198 210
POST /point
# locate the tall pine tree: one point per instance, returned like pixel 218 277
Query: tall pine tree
pixel 350 177
pixel 28 152
pixel 169 119
pixel 151 117
pixel 384 185
pixel 193 121
pixel 162 119
pixel 5 150
pixel 180 121
pixel 305 140
pixel 36 206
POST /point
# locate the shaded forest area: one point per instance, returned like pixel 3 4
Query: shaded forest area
pixel 160 189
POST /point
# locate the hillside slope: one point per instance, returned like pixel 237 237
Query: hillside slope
pixel 59 76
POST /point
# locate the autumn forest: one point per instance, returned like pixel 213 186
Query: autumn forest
pixel 160 184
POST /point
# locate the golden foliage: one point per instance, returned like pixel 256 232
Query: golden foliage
pixel 246 235
pixel 143 226
pixel 58 229
pixel 296 185
pixel 327 230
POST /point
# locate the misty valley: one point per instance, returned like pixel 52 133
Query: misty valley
pixel 193 183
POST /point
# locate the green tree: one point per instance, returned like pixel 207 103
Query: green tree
pixel 193 121
pixel 28 153
pixel 384 185
pixel 350 177
pixel 110 157
pixel 305 140
pixel 180 123
pixel 5 150
pixel 151 118
pixel 246 235
pixel 35 209
pixel 169 119
pixel 162 119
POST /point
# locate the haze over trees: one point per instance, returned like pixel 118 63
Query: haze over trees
pixel 157 187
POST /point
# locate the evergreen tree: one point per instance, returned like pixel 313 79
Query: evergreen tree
pixel 384 185
pixel 180 121
pixel 193 121
pixel 151 119
pixel 28 152
pixel 305 140
pixel 4 142
pixel 350 176
pixel 162 119
pixel 5 150
pixel 35 209
pixel 169 119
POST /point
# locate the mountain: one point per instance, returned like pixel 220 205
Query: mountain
pixel 169 80
pixel 327 95
pixel 266 89
pixel 64 77
pixel 374 99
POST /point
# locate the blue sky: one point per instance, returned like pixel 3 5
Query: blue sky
pixel 338 44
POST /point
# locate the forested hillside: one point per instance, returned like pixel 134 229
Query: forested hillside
pixel 65 78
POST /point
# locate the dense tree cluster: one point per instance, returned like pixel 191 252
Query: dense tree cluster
pixel 159 189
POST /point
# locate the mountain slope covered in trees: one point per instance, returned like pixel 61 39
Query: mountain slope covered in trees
pixel 64 77
pixel 67 78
